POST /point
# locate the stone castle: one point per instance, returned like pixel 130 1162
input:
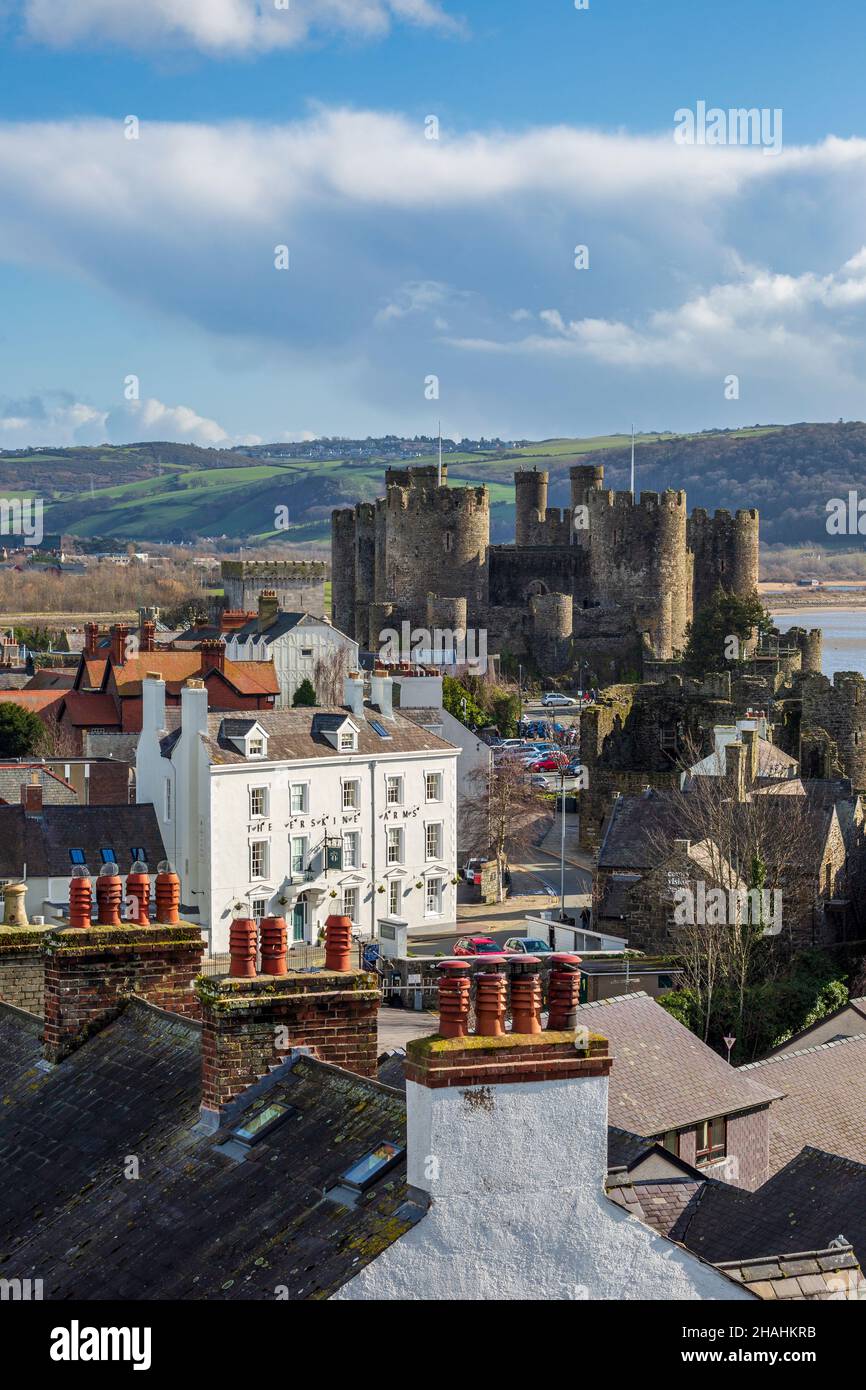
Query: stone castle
pixel 608 581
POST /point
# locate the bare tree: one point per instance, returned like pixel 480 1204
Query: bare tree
pixel 329 673
pixel 748 838
pixel 502 813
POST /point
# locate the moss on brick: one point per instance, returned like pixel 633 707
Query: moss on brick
pixel 437 1046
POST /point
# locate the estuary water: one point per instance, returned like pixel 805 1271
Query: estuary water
pixel 844 634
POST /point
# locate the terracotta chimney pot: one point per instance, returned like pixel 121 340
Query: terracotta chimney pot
pixel 167 899
pixel 338 943
pixel 274 939
pixel 109 900
pixel 454 999
pixel 491 995
pixel 526 995
pixel 242 948
pixel 138 891
pixel 563 993
pixel 80 902
pixel 14 914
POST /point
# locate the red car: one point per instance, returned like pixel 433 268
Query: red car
pixel 476 946
pixel 552 763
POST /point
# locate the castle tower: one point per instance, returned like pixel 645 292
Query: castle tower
pixel 585 478
pixel 530 491
pixel 436 541
pixel 638 560
pixel 725 550
pixel 552 627
pixel 343 570
pixel 840 710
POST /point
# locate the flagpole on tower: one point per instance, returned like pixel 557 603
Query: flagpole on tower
pixel 439 478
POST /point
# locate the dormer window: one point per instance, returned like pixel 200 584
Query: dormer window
pixel 256 747
pixel 337 729
pixel 348 740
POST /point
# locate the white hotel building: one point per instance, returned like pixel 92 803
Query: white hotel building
pixel 303 812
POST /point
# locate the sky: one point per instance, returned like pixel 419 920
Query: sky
pixel 238 221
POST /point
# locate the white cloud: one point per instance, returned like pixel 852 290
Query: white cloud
pixel 53 419
pixel 779 321
pixel 222 26
pixel 151 419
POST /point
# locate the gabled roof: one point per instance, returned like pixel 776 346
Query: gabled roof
pixel 824 1099
pixel 257 678
pixel 845 1022
pixel 88 709
pixel 55 791
pixel 43 843
pixel 663 1076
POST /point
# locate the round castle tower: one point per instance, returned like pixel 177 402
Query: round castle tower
pixel 435 541
pixel 530 492
pixel 725 550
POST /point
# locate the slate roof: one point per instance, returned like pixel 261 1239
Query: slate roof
pixel 664 1077
pixel 845 1022
pixel 658 1204
pixel 43 843
pixel 815 1199
pixel 294 734
pixel 824 1099
pixel 817 1274
pixel 195 1224
pixel 55 791
pixel 283 623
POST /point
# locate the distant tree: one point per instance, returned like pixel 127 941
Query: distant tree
pixel 304 695
pixel 21 731
pixel 502 812
pixel 708 644
pixel 460 703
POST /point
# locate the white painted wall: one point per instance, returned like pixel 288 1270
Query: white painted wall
pixel 518 1212
pixel 210 828
pixel 318 639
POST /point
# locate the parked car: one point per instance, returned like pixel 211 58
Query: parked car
pixel 553 697
pixel 574 768
pixel 551 762
pixel 539 780
pixel 472 870
pixel 528 946
pixel 476 946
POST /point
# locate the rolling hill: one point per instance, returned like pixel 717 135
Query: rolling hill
pixel 173 492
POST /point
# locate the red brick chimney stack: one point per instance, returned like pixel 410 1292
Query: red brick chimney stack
pixel 119 634
pixel 147 636
pixel 269 609
pixel 31 796
pixel 91 638
pixel 213 654
pixel 233 618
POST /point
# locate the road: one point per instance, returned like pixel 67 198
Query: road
pixel 535 888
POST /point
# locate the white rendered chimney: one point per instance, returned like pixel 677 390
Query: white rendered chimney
pixel 153 704
pixel 353 693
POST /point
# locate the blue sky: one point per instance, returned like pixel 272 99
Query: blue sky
pixel 411 257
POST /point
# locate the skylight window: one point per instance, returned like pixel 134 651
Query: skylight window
pixel 139 854
pixel 263 1122
pixel 107 855
pixel 367 1169
pixel 379 728
pixel 77 856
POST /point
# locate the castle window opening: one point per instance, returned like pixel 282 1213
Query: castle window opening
pixel 448 540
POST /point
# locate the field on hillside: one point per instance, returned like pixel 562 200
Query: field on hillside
pixel 177 493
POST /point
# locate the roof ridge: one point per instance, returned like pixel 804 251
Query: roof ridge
pixel 616 999
pixel 802 1051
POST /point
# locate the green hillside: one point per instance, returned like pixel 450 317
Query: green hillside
pixel 176 492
